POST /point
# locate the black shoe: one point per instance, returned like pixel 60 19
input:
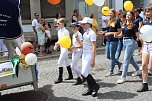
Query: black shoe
pixel 143 88
pixel 58 81
pixel 95 92
pixel 87 93
pixel 69 78
pixel 94 86
pixel 79 81
pixel 70 73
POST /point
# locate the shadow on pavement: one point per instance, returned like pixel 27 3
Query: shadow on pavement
pixel 116 95
pixel 47 89
pixel 103 84
pixel 24 96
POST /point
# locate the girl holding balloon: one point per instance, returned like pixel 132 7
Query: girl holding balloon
pixel 146 49
pixel 63 59
pixel 129 34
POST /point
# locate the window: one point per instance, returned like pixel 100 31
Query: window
pixel 49 11
pixel 25 9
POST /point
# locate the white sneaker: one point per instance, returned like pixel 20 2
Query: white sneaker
pixel 137 73
pixel 121 80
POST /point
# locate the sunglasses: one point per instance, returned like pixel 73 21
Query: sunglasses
pixel 59 23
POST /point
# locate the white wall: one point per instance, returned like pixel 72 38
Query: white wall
pixel 118 4
pixel 147 2
pixel 35 7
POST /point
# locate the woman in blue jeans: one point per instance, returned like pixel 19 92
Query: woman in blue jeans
pixel 120 41
pixel 129 33
pixel 111 44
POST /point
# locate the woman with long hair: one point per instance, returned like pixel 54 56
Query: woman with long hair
pixel 146 53
pixel 95 25
pixel 129 34
pixel 112 42
pixel 41 36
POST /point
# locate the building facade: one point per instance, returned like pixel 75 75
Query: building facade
pixel 66 7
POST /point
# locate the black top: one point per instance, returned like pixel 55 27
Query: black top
pixel 137 20
pixel 111 38
pixel 73 19
pixel 9 19
pixel 147 22
pixel 131 33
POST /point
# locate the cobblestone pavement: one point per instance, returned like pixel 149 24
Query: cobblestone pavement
pixel 109 89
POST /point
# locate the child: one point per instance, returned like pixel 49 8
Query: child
pixel 48 38
pixel 88 56
pixel 63 59
pixel 77 50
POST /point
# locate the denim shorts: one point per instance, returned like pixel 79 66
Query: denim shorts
pixel 147 48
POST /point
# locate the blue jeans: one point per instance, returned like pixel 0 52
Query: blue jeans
pixel 111 48
pixel 129 47
pixel 119 49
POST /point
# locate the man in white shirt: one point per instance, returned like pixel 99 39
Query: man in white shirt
pixel 34 25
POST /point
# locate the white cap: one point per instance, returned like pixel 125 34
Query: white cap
pixel 86 20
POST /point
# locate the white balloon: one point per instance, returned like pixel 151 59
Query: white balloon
pixel 30 59
pixel 146 33
pixel 18 52
pixel 99 2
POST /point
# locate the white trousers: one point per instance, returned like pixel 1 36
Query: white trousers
pixel 75 58
pixel 11 44
pixel 86 64
pixel 63 59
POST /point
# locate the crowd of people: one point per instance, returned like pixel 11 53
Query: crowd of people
pixel 119 31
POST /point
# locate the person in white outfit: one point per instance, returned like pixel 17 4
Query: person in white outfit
pixel 63 59
pixel 76 50
pixel 88 56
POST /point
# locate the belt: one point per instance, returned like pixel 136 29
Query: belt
pixel 127 37
pixel 148 42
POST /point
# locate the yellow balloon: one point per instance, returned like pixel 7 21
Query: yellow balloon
pixel 22 57
pixel 105 10
pixel 65 42
pixel 89 2
pixel 128 5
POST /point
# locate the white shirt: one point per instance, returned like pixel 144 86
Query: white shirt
pixel 88 37
pixel 104 18
pixel 48 33
pixel 75 42
pixel 35 23
pixel 62 32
